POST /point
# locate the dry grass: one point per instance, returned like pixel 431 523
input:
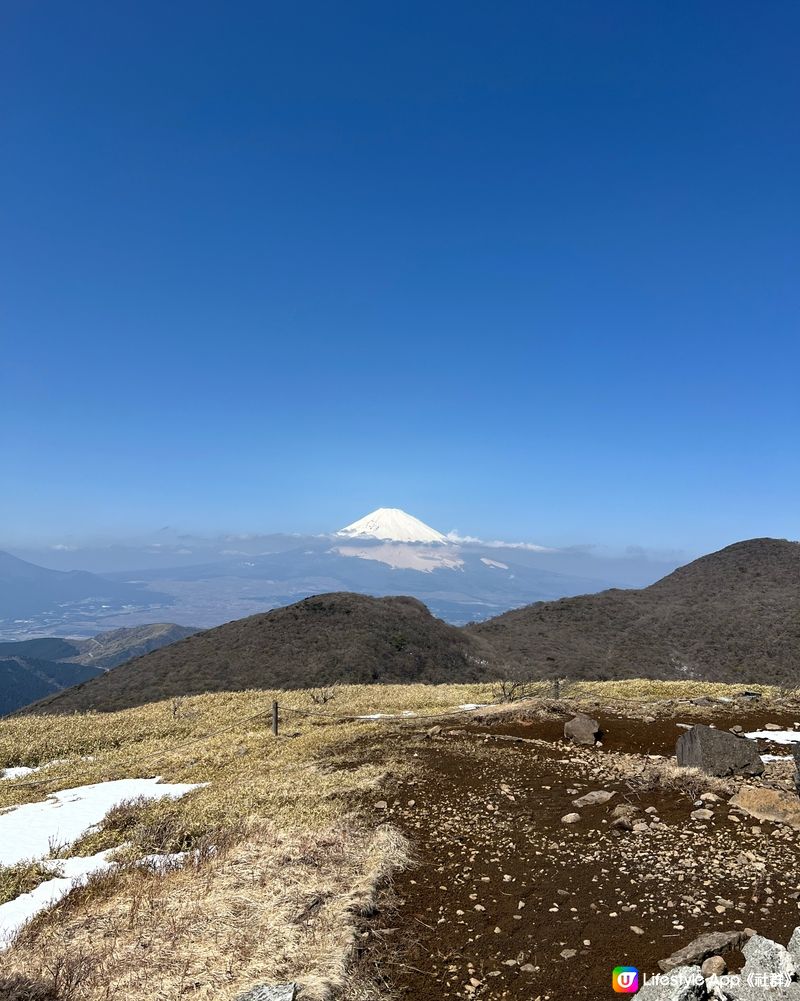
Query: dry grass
pixel 278 906
pixel 283 827
pixel 21 878
pixel 286 848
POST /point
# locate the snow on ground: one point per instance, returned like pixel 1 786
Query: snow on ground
pixel 16 773
pixel 68 873
pixel 776 757
pixel 405 712
pixel 71 872
pixel 29 831
pixel 776 736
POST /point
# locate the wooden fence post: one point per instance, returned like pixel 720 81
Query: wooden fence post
pixel 274 718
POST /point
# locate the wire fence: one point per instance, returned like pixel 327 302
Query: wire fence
pixel 274 712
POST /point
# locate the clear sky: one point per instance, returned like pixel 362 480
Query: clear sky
pixel 528 270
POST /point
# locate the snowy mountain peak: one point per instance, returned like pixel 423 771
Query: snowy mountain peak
pixel 392 524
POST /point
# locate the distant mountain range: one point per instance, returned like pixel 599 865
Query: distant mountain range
pixel 32 669
pixel 31 595
pixel 387 552
pixel 731 616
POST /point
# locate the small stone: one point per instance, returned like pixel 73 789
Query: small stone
pixel 714 966
pixel 702 815
pixel 568 953
pixel 593 798
pixel 570 818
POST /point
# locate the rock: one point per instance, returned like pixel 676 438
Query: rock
pixel 736 729
pixel 717 752
pixel 772 726
pixel 740 990
pixel 709 797
pixel 570 818
pixel 768 804
pixel 622 824
pixel 794 947
pixel 796 756
pixel 765 958
pixel 702 814
pixel 714 966
pixel 624 810
pixel 582 729
pixel 593 798
pixel 266 992
pixel 381 805
pixel 684 983
pixel 710 944
pixel 568 953
pixel 434 731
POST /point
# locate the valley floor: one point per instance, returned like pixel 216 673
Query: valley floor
pixel 374 859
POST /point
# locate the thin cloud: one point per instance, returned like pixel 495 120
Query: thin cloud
pixel 497 543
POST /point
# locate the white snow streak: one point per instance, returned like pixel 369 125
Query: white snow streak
pixel 776 736
pixel 29 831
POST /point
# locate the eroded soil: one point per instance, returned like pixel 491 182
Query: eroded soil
pixel 506 901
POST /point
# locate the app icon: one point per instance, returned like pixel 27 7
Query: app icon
pixel 625 979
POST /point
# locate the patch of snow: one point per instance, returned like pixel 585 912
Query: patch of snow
pixel 405 557
pixel 16 773
pixel 776 757
pixel 68 873
pixel 29 831
pixel 394 525
pixel 776 736
pixel 469 706
pixel 494 563
pixel 405 712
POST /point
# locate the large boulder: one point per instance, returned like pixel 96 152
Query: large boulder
pixel 582 729
pixel 717 752
pixel 768 973
pixel 712 943
pixel 765 958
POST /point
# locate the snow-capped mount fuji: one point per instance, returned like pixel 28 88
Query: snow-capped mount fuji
pixel 390 524
pixel 387 552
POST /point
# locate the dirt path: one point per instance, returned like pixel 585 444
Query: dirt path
pixel 506 901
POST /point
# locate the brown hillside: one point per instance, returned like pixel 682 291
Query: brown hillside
pixel 733 615
pixel 340 637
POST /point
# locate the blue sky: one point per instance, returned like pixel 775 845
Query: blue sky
pixel 527 270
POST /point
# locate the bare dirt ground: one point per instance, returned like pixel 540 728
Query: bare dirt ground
pixel 507 901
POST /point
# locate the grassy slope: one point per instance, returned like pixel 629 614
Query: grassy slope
pixel 298 845
pixel 293 831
